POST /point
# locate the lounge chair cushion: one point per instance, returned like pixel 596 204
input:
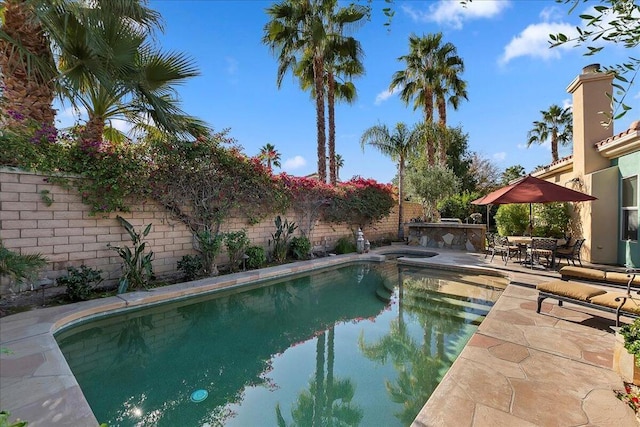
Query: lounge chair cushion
pixel 569 289
pixel 621 278
pixel 631 305
pixel 582 273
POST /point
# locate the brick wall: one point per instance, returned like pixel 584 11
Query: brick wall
pixel 66 234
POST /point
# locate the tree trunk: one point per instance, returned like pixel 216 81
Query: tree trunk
pixel 401 199
pixel 318 74
pixel 442 121
pixel 26 91
pixel 333 175
pixel 554 145
pixel 428 120
pixel 91 136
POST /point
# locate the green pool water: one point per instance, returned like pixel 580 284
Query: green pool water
pixel 364 344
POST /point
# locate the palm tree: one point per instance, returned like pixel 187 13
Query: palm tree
pixel 339 165
pixel 556 125
pixel 269 156
pixel 141 89
pixel 431 77
pixel 312 29
pixel 397 144
pixel 33 29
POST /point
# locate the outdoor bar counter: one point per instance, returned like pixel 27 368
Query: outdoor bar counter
pixel 466 237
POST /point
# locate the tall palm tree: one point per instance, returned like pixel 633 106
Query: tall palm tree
pixel 398 144
pixel 556 125
pixel 269 156
pixel 34 30
pixel 431 77
pixel 339 165
pixel 311 29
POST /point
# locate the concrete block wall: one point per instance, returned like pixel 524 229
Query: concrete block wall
pixel 65 233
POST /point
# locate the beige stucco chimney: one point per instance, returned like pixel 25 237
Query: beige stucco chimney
pixel 591 92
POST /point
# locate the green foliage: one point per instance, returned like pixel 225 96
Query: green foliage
pixel 209 245
pixel 458 206
pixel 4 420
pixel 345 245
pixel 512 219
pixel 615 21
pixel 551 219
pixel 511 173
pixel 280 239
pixel 201 183
pixel 191 266
pixel 430 184
pixel 257 256
pixel 112 176
pixel 631 334
pixel 20 267
pixel 80 282
pixel 137 270
pixel 236 242
pixel 360 202
pixel 300 247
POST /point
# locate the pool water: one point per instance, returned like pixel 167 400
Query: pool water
pixel 345 346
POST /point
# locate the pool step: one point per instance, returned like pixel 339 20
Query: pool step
pixel 441 311
pixel 447 303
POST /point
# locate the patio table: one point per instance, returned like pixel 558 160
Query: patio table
pixel 524 242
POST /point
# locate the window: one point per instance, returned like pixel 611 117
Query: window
pixel 630 209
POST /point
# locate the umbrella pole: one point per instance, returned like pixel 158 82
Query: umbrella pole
pixel 531 219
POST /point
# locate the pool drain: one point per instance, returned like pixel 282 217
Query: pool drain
pixel 199 395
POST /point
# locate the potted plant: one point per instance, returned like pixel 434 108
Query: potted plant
pixel 626 355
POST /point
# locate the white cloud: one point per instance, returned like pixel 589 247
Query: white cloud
pixel 384 95
pixel 454 14
pixel 499 157
pixel 121 125
pixel 567 103
pixel 232 65
pixel 294 163
pixel 533 42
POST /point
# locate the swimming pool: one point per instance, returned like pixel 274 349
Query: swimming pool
pixel 348 344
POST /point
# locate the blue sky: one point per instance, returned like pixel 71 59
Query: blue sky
pixel 511 73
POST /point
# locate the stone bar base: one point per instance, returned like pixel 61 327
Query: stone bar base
pixel 464 237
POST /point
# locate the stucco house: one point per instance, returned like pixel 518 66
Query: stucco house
pixel 606 166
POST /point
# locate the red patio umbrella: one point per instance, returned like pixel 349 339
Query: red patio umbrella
pixel 532 190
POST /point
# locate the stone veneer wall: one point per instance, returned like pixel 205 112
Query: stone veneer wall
pixel 469 237
pixel 67 235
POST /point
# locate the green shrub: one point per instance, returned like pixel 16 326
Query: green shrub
pixel 631 334
pixel 551 219
pixel 512 219
pixel 137 270
pixel 257 256
pixel 300 247
pixel 20 267
pixel 209 245
pixel 236 242
pixel 4 421
pixel 191 267
pixel 280 239
pixel 345 245
pixel 80 282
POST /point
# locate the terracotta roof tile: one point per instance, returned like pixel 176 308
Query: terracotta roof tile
pixel 634 127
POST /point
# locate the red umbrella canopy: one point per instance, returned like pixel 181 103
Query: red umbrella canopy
pixel 532 190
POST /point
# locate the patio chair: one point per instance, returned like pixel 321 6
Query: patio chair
pixel 571 252
pixel 505 248
pixel 489 245
pixel 543 247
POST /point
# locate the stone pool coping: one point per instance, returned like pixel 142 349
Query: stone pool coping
pixel 37 385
